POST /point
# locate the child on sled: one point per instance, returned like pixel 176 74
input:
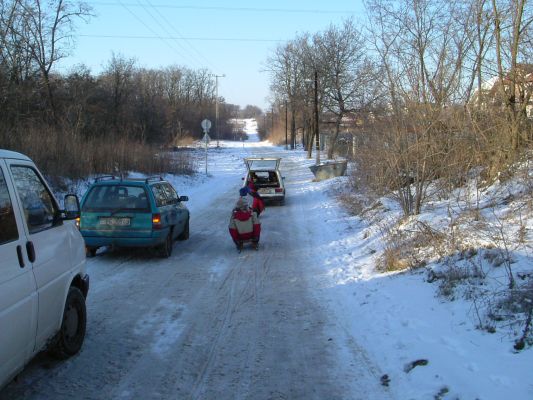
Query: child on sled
pixel 244 224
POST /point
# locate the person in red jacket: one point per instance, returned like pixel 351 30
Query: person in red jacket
pixel 244 223
pixel 258 203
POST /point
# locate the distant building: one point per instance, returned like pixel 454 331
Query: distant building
pixel 491 90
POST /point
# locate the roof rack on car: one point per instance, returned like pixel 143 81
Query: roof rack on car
pixel 106 178
pixel 153 178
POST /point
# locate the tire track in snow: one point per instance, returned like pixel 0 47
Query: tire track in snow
pixel 230 283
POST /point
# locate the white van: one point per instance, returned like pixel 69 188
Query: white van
pixel 43 284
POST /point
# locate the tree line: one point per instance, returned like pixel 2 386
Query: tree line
pixel 427 90
pixel 77 123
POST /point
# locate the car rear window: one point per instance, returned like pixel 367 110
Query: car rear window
pixel 264 178
pixel 262 164
pixel 159 194
pixel 116 198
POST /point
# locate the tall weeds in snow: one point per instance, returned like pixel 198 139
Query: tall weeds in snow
pixel 63 155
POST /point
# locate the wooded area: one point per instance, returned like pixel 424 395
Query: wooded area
pixel 77 123
pixel 424 90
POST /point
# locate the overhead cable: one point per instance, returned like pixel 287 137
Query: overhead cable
pixel 242 9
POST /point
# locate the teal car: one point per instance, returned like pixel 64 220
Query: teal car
pixel 133 213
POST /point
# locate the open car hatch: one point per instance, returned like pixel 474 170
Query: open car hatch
pixel 262 163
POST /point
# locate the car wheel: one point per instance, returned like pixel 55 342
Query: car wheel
pixel 185 234
pixel 90 251
pixel 69 339
pixel 166 247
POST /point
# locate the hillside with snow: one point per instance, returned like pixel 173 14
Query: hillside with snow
pixel 344 299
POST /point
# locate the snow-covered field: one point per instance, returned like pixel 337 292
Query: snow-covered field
pixel 307 316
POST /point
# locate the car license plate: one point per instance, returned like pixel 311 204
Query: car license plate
pixel 265 191
pixel 115 221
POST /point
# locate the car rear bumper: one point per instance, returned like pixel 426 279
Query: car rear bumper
pixel 273 196
pixel 92 239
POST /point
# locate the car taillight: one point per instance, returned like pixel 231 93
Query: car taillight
pixel 279 190
pixel 156 221
pixel 78 222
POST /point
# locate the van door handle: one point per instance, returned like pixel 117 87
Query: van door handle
pixel 19 255
pixel 31 251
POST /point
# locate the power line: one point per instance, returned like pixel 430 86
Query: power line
pixel 173 28
pixel 183 38
pixel 157 36
pixel 241 9
pixel 207 61
pixel 158 23
pixel 166 39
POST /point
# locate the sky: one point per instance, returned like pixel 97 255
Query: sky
pixel 231 38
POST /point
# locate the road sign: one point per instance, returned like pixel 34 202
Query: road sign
pixel 206 125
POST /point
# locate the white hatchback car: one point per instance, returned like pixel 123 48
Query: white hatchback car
pixel 265 176
pixel 43 284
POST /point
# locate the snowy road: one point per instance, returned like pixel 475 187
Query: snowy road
pixel 209 323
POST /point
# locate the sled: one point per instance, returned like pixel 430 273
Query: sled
pixel 241 243
pixel 245 228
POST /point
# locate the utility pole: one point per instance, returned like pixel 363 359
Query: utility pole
pixel 216 104
pixel 286 127
pixel 316 120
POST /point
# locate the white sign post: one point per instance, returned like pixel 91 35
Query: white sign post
pixel 206 125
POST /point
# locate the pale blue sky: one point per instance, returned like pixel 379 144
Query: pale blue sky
pixel 198 33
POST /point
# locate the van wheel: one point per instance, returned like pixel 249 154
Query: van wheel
pixel 69 339
pixel 166 248
pixel 185 234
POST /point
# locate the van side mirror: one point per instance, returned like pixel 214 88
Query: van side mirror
pixel 72 207
pixel 184 198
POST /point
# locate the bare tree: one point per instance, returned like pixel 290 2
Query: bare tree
pixel 512 19
pixel 47 33
pixel 346 73
pixel 117 79
pixel 480 38
pixel 421 45
pixel 285 67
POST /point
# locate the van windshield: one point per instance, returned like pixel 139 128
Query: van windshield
pixel 115 198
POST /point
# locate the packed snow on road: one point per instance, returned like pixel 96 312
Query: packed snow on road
pixel 306 316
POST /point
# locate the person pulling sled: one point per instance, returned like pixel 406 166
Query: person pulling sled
pixel 244 224
pixel 258 204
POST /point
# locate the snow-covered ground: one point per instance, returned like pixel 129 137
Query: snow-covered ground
pixel 306 317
